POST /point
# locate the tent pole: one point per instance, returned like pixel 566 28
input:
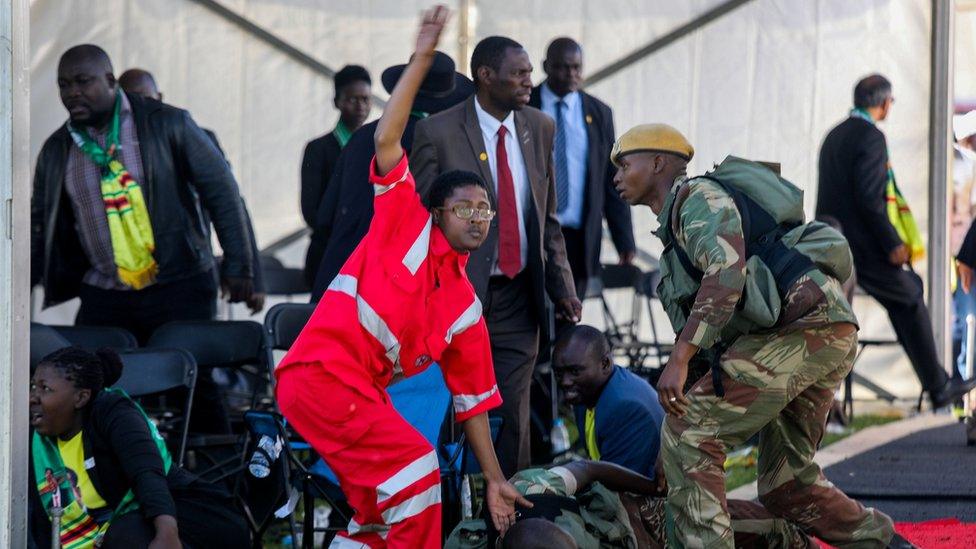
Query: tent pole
pixel 14 274
pixel 940 164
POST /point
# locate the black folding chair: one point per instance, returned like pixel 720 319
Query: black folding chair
pixel 153 372
pixel 624 333
pixel 91 338
pixel 280 280
pixel 235 349
pixel 44 340
pixel 282 325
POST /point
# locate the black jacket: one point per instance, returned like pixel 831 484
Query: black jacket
pixel 117 439
pixel 602 200
pixel 852 180
pixel 318 163
pixel 183 170
pixel 346 208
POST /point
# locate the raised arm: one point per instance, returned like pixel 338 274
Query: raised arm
pixel 390 128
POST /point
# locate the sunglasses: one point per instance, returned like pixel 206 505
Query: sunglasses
pixel 469 212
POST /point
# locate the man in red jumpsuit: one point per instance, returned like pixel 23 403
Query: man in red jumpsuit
pixel 401 302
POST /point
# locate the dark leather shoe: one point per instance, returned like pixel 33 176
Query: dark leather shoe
pixel 898 542
pixel 953 389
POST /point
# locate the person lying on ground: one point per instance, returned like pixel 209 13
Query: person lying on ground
pixel 592 504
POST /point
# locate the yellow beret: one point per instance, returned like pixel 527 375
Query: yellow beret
pixel 652 138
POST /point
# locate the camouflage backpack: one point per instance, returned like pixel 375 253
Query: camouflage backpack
pixel 780 248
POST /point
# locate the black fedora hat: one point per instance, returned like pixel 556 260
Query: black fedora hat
pixel 442 88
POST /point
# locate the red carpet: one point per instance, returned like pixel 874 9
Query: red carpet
pixel 936 534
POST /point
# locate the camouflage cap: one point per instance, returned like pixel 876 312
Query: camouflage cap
pixel 652 138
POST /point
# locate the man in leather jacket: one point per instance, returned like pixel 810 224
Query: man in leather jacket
pixel 75 248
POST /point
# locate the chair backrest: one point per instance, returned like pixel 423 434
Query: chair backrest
pixel 153 371
pixel 281 280
pixel 148 372
pixel 214 343
pixel 95 337
pixel 44 340
pixel 284 322
pixel 615 277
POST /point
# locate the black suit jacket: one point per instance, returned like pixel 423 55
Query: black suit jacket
pixel 346 209
pixel 852 180
pixel 452 140
pixel 601 200
pixel 318 163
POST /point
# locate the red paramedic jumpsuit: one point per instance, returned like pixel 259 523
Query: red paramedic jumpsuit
pixel 401 301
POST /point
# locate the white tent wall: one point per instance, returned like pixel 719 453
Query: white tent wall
pixel 766 81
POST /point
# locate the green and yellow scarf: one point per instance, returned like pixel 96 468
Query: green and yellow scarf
pixel 125 207
pixel 54 486
pixel 899 214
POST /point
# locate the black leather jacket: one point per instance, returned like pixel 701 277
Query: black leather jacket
pixel 183 171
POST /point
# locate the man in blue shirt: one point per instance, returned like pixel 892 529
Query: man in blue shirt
pixel 584 175
pixel 617 412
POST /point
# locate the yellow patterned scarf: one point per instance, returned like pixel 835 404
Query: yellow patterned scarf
pixel 125 207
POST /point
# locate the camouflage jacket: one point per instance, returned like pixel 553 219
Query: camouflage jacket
pixel 731 298
pixel 601 523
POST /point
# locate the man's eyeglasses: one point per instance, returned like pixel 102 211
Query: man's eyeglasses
pixel 469 212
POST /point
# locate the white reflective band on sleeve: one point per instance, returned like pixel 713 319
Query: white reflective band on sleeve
pixel 418 469
pixel 413 506
pixel 463 403
pixel 382 529
pixel 380 189
pixel 344 283
pixel 468 318
pixel 418 250
pixel 377 327
pixel 340 542
pixel 568 479
pixel 368 317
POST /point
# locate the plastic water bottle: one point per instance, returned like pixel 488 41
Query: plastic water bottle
pixel 559 438
pixel 260 465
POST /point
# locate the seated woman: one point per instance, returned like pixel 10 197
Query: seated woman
pixel 97 457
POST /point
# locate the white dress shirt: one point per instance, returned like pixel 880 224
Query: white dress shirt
pixel 577 142
pixel 516 165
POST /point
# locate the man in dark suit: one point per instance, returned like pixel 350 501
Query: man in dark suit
pixel 617 413
pixel 353 98
pixel 496 135
pixel 854 164
pixel 584 175
pixel 347 206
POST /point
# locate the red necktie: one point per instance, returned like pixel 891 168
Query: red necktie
pixel 509 253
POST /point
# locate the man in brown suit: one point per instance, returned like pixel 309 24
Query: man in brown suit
pixel 523 260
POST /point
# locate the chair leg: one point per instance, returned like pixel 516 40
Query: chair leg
pixel 849 396
pixel 308 521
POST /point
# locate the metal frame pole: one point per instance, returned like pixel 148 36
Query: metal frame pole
pixel 940 164
pixel 14 274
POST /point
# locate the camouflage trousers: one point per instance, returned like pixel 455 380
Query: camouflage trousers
pixel 780 385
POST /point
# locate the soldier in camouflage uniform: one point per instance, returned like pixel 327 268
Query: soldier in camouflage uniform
pixel 608 506
pixel 777 381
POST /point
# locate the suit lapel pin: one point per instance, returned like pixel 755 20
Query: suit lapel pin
pixel 483 156
pixel 589 119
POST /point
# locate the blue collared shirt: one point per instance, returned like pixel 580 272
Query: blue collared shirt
pixel 577 144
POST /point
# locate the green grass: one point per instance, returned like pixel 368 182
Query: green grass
pixel 741 470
